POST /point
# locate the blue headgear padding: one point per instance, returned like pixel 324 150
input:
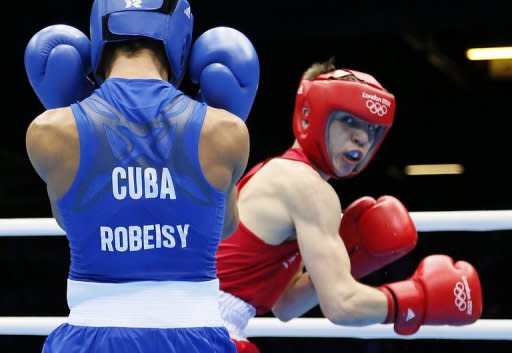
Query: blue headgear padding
pixel 170 21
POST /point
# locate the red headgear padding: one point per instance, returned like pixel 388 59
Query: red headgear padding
pixel 327 93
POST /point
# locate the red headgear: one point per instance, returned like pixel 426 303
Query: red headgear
pixel 318 99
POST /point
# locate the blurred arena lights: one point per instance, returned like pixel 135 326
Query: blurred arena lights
pixel 491 53
pixel 433 169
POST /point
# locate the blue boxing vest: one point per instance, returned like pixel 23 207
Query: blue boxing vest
pixel 140 208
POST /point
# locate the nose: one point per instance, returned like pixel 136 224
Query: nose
pixel 360 137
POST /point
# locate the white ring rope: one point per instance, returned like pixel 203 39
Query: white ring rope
pixel 476 221
pixel 305 327
pixel 302 327
pixel 27 227
pixel 425 222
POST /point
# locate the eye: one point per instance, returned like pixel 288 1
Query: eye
pixel 348 119
pixel 373 131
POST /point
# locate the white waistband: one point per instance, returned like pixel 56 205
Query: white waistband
pixel 146 304
pixel 236 314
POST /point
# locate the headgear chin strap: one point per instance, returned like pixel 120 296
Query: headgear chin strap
pixel 169 21
pixel 327 93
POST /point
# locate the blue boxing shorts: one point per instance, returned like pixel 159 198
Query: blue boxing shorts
pixel 141 317
pixel 79 339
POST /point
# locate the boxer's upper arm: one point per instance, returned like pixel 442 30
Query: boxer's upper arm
pixel 39 145
pixel 315 213
pixel 224 152
pixel 239 151
pixel 53 149
pixel 223 148
pixel 239 155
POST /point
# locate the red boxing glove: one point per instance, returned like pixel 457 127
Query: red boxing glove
pixel 438 293
pixel 376 233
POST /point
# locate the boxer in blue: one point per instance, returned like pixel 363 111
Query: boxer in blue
pixel 139 175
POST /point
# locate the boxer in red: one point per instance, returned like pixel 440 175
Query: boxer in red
pixel 293 251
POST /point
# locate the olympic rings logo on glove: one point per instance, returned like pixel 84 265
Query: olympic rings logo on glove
pixel 376 108
pixel 460 296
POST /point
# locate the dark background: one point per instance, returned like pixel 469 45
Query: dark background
pixel 449 110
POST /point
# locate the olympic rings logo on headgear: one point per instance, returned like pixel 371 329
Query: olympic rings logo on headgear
pixel 376 108
pixel 459 291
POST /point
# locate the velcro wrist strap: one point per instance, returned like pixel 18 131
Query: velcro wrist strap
pixel 409 305
pixel 391 305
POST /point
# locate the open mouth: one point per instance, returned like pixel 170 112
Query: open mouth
pixel 353 156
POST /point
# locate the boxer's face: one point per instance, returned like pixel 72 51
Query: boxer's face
pixel 349 141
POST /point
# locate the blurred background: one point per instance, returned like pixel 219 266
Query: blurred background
pixel 449 110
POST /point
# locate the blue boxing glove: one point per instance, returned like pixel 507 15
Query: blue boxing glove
pixel 225 64
pixel 57 61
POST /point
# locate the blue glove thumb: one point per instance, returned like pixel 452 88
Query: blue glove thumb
pixel 225 64
pixel 57 61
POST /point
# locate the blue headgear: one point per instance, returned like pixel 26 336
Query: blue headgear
pixel 169 21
